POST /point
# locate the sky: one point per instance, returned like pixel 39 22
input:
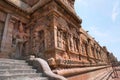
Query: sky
pixel 102 19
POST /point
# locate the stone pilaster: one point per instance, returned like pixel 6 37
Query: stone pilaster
pixel 4 39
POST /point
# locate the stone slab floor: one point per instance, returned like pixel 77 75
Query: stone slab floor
pixel 112 77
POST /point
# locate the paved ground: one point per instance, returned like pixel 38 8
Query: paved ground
pixel 114 76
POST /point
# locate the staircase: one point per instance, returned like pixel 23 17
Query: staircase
pixel 11 69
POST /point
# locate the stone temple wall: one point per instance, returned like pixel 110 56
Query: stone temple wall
pixel 50 30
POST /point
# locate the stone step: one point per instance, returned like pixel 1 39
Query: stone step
pixel 25 78
pixel 102 76
pixel 40 78
pixel 31 76
pixel 106 77
pixel 15 67
pixel 11 60
pixel 22 74
pixel 17 71
pixel 9 64
pixel 11 69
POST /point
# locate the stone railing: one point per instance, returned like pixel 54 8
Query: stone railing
pixel 43 66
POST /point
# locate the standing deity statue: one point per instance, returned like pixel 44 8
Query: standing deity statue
pixel 21 38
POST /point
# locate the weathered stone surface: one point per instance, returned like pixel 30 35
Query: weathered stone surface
pixel 52 31
pixel 53 34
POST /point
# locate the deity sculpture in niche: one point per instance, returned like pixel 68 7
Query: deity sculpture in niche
pixel 26 45
pixel 21 38
pixel 39 41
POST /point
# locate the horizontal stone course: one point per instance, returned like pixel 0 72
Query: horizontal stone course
pixel 15 67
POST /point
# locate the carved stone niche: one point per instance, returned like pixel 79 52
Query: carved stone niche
pixel 69 2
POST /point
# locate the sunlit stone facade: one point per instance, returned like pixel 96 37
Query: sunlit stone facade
pixel 54 33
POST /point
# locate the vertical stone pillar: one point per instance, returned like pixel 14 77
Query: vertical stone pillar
pixel 55 30
pixel 9 35
pixel 72 48
pixel 99 55
pixel 95 53
pixel 55 35
pixel 89 50
pixel 4 38
pixel 92 53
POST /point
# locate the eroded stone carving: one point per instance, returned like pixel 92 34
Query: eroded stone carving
pixel 21 38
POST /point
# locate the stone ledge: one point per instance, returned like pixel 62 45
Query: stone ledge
pixel 75 71
pixel 68 63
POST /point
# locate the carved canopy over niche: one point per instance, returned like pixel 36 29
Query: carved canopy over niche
pixel 62 24
pixel 30 2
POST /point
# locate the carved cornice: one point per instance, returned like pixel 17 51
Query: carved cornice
pixel 26 7
pixel 66 5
